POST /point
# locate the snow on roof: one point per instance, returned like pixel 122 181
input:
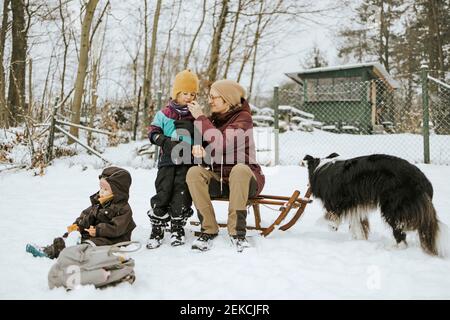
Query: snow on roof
pixel 300 119
pixel 295 110
pixel 305 114
pixel 295 75
pixel 284 108
pixel 349 127
pixel 297 118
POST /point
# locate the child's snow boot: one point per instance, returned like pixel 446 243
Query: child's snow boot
pixel 52 251
pixel 186 215
pixel 177 232
pixel 157 235
pixel 35 250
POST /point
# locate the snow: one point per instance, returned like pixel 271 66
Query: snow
pixel 263 118
pixel 350 128
pixel 305 262
pixel 303 113
pixel 266 111
pixel 293 110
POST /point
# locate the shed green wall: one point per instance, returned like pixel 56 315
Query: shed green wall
pixel 330 112
pixel 351 112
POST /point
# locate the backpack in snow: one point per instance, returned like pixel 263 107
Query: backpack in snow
pixel 86 264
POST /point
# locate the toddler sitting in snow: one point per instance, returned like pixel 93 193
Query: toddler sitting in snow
pixel 107 221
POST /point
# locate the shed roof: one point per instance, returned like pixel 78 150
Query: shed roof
pixel 378 69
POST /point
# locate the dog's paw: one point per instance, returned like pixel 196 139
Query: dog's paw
pixel 396 246
pixel 357 232
pixel 331 225
pixel 402 245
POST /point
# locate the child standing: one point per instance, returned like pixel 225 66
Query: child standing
pixel 172 201
pixel 107 221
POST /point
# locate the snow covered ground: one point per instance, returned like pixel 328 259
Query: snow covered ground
pixel 306 262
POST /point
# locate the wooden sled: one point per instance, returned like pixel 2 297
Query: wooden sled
pixel 286 204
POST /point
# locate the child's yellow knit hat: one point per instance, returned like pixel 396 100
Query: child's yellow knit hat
pixel 185 81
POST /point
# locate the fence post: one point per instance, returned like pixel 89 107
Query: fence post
pixel 136 118
pixel 159 106
pixel 51 135
pixel 159 96
pixel 426 115
pixel 276 124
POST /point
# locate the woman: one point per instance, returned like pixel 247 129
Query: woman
pixel 233 171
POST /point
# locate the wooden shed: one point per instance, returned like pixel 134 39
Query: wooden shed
pixel 347 96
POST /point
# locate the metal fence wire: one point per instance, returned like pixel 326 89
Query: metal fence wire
pixel 364 117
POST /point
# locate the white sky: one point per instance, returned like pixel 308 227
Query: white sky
pixel 295 47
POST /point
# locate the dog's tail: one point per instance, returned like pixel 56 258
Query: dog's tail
pixel 433 234
pixel 443 240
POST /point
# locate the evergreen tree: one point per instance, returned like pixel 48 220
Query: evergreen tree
pixel 372 31
pixel 315 59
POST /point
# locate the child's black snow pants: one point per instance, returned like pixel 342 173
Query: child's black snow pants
pixel 172 200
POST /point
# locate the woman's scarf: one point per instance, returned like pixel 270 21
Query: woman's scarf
pixel 219 119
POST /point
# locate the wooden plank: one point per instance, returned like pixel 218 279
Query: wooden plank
pixel 299 212
pixel 283 214
pixel 257 215
pixel 286 205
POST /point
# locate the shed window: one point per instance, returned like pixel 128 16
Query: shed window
pixel 335 89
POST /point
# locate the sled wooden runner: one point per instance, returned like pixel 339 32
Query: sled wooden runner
pixel 285 205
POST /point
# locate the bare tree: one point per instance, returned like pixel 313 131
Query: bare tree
pixel 233 38
pixel 191 47
pixel 255 46
pixel 148 79
pixel 245 58
pixel 435 21
pixel 16 91
pixel 167 49
pixel 66 36
pixel 145 88
pixel 45 90
pixel 3 30
pixel 30 86
pixel 82 65
pixel 95 70
pixel 264 19
pixel 246 52
pixel 315 58
pixel 216 43
pixel 134 53
pixel 94 97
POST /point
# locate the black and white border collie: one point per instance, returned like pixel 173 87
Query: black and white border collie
pixel 350 189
